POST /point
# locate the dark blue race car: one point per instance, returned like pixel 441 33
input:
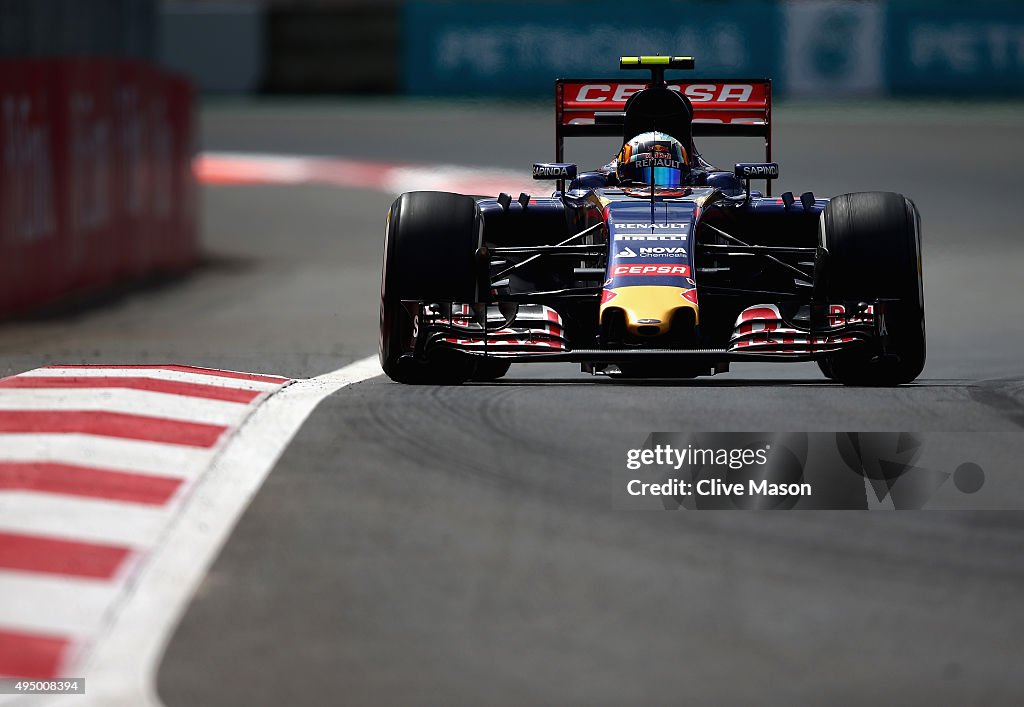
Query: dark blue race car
pixel 657 264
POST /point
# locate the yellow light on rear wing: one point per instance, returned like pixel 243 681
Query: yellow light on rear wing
pixel 663 62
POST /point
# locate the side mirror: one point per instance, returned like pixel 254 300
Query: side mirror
pixel 757 170
pixel 554 170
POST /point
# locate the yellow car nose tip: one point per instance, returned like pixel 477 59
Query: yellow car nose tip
pixel 648 310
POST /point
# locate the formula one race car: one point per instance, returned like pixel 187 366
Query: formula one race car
pixel 658 264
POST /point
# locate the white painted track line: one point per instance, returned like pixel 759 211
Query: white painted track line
pixel 394 178
pixel 462 179
pixel 131 402
pixel 122 667
pixel 135 456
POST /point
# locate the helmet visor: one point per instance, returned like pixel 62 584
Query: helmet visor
pixel 658 176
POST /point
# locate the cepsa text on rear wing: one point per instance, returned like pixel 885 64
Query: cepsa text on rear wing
pixel 721 107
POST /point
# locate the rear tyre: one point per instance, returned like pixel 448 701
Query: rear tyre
pixel 429 255
pixel 873 251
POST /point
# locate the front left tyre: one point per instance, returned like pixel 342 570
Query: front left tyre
pixel 872 251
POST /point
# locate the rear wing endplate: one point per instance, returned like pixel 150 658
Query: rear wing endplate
pixel 721 107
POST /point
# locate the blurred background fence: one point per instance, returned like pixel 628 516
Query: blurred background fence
pixel 96 144
pixel 449 47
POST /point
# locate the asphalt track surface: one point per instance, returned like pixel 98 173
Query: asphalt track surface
pixel 458 545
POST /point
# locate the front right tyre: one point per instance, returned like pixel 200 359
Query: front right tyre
pixel 429 256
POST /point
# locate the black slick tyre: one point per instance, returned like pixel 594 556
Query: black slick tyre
pixel 872 250
pixel 429 256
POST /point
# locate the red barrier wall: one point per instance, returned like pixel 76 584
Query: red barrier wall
pixel 96 183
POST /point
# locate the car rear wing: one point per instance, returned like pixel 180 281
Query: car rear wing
pixel 721 107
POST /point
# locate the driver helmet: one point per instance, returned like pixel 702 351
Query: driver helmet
pixel 652 158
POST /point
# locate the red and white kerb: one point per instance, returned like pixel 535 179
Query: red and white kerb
pixel 94 463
